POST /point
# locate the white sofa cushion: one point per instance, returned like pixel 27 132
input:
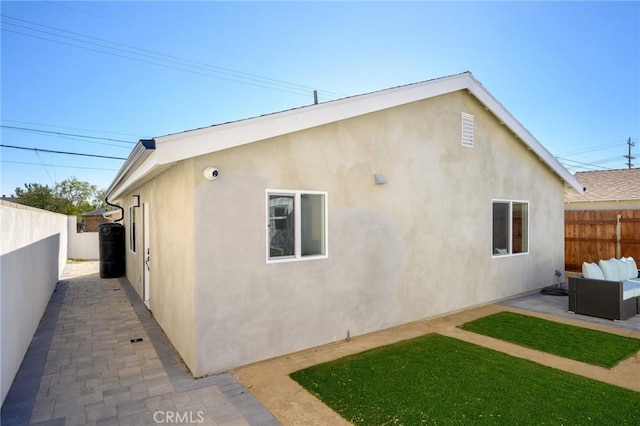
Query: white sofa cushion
pixel 632 265
pixel 610 270
pixel 623 269
pixel 592 271
pixel 630 289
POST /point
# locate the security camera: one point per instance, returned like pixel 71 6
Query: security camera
pixel 210 173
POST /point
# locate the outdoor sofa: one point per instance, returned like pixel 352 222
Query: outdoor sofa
pixel 609 289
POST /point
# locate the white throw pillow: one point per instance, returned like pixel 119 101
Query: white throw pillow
pixel 623 269
pixel 633 267
pixel 626 267
pixel 610 269
pixel 592 271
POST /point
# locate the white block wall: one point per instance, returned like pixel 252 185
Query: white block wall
pixel 33 249
pixel 82 245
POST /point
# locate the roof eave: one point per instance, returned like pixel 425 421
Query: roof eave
pixel 610 200
pixel 143 149
pixel 264 127
pixel 522 133
pixel 199 141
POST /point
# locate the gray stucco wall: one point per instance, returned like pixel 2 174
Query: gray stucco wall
pixel 417 247
pixel 169 198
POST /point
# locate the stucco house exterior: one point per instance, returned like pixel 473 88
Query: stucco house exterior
pixel 265 236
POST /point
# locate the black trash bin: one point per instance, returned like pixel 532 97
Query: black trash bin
pixel 112 246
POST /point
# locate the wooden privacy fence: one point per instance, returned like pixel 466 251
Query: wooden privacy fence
pixel 591 235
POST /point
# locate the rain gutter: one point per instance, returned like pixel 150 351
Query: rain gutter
pixel 143 149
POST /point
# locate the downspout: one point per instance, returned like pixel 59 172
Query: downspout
pixel 106 200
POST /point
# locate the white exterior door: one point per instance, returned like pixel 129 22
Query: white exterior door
pixel 146 255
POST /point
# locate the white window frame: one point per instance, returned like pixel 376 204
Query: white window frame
pixel 510 236
pixel 297 256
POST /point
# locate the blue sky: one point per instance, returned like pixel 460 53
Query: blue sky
pixel 120 71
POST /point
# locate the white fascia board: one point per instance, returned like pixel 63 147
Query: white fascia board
pixel 170 149
pixel 138 155
pixel 521 132
pixel 193 143
pixel 612 200
pixel 142 172
pixel 135 174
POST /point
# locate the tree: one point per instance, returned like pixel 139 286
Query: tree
pixel 39 196
pixel 81 195
pixel 70 197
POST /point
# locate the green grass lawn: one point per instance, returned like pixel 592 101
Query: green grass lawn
pixel 436 379
pixel 581 344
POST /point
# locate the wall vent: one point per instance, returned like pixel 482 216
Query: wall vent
pixel 467 130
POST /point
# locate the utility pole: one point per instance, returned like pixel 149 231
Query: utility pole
pixel 628 156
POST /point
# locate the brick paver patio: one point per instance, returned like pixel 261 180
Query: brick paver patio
pixel 87 366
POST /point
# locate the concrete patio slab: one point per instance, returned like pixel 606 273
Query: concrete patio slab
pixel 557 306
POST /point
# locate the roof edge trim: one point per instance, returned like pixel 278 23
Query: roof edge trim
pixel 511 122
pixel 143 149
pixel 278 123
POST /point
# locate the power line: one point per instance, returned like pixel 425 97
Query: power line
pixel 61 152
pixel 71 138
pixel 58 165
pixel 580 164
pixel 592 149
pixel 72 128
pixel 53 181
pixel 184 41
pixel 47 132
pixel 607 160
pixel 158 56
pixel 594 163
pixel 154 63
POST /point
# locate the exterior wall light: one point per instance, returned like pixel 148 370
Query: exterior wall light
pixel 135 201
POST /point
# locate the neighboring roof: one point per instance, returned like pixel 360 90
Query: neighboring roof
pixel 608 185
pixel 151 157
pixel 101 212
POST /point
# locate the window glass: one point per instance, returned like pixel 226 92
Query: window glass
pixel 312 224
pixel 500 228
pixel 519 219
pixel 296 225
pixel 132 228
pixel 510 230
pixel 281 225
